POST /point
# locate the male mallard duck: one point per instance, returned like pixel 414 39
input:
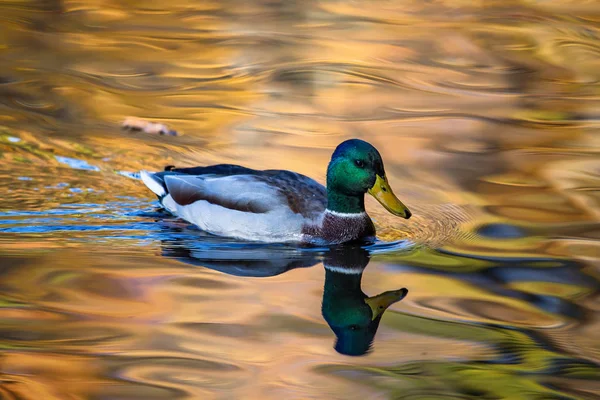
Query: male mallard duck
pixel 281 206
pixel 351 314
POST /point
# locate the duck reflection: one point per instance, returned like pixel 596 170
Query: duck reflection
pixel 258 260
pixel 352 315
pixel 252 262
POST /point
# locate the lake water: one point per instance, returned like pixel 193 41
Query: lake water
pixel 486 113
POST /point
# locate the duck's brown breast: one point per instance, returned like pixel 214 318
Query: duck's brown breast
pixel 336 228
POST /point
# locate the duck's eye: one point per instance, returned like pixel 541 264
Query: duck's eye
pixel 354 327
pixel 359 163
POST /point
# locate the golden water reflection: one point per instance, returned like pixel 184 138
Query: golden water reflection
pixel 486 115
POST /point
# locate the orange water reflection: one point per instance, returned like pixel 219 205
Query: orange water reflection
pixel 486 114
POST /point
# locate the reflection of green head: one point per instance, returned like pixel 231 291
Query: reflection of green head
pixel 352 315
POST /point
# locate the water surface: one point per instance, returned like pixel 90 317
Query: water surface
pixel 486 115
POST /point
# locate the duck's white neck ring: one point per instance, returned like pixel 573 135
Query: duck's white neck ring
pixel 345 215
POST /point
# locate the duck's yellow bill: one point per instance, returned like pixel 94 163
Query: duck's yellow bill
pixel 382 301
pixel 382 191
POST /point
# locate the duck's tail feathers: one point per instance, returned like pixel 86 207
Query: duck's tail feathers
pixel 154 183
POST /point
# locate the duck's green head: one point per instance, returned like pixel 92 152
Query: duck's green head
pixel 352 315
pixel 356 168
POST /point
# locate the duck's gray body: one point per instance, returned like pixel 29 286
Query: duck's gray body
pixel 270 205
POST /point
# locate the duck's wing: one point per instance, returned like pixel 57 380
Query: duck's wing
pixel 242 189
pixel 303 195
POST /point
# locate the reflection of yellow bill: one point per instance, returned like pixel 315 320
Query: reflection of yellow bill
pixel 382 191
pixel 381 302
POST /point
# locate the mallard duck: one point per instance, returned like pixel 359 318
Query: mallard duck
pixel 350 313
pixel 281 206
